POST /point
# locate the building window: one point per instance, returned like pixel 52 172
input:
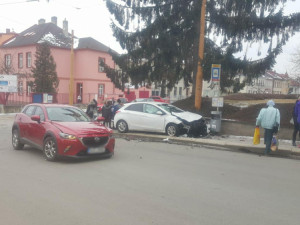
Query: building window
pixel 28 88
pixel 155 93
pixel 7 60
pixel 101 62
pixel 180 91
pixel 20 87
pixel 101 90
pixel 28 59
pixel 175 91
pixel 20 60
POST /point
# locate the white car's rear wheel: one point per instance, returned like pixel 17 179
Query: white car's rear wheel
pixel 122 126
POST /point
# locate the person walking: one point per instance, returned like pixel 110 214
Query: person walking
pixel 115 108
pixel 107 113
pixel 269 118
pixel 92 108
pixel 296 125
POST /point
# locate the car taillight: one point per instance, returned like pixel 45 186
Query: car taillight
pixel 118 111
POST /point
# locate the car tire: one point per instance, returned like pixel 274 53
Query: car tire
pixel 172 130
pixel 50 149
pixel 16 143
pixel 122 126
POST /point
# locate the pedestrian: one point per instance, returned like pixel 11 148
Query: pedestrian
pixel 116 107
pixel 107 113
pixel 296 125
pixel 79 99
pixel 92 109
pixel 269 119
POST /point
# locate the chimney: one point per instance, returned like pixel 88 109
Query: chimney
pixel 65 27
pixel 54 20
pixel 7 30
pixel 42 21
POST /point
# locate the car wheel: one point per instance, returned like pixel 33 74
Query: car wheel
pixel 172 130
pixel 50 149
pixel 17 145
pixel 122 126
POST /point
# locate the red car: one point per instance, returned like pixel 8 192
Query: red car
pixel 160 99
pixel 61 130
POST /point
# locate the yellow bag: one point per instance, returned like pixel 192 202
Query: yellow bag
pixel 256 137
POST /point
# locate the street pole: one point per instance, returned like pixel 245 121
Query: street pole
pixel 199 76
pixel 72 73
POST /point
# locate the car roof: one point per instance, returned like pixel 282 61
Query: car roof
pixel 153 103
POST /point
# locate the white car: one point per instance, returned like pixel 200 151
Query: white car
pixel 159 117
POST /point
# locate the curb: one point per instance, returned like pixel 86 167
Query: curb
pixel 284 150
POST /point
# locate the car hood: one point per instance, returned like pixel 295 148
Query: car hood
pixel 82 128
pixel 188 116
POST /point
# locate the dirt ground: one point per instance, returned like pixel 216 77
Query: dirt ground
pixel 243 107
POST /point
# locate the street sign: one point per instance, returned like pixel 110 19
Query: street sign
pixel 8 83
pixel 218 102
pixel 215 72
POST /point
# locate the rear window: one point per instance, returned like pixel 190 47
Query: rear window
pixel 135 107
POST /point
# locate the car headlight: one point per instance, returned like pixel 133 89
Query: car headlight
pixel 67 136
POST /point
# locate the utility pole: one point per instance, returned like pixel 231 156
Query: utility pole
pixel 71 97
pixel 199 76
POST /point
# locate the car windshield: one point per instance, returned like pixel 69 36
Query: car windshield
pixel 170 108
pixel 66 114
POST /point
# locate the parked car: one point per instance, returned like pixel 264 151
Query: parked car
pixel 143 100
pixel 159 117
pixel 61 130
pixel 158 99
pixel 123 100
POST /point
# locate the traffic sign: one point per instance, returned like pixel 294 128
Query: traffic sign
pixel 215 72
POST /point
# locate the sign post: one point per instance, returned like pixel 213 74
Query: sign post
pixel 217 101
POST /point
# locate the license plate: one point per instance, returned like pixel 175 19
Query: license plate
pixel 96 150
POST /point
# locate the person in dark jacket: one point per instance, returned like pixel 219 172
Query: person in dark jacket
pixel 115 108
pixel 296 125
pixel 92 108
pixel 107 113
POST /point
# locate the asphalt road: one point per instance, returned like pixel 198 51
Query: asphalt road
pixel 147 183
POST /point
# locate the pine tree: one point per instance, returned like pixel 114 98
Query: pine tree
pixel 44 72
pixel 161 37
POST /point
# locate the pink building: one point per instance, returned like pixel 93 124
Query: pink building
pixel 90 81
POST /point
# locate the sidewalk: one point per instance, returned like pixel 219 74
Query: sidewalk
pixel 242 143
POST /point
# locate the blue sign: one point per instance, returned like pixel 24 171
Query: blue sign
pixel 215 72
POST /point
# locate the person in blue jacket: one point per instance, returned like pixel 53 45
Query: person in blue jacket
pixel 269 118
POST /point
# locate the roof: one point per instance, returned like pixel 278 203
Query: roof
pixel 47 32
pixel 274 75
pixel 91 43
pixel 55 36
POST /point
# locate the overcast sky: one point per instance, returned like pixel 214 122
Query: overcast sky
pixel 90 18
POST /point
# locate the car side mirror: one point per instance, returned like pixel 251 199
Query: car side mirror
pixel 100 119
pixel 36 118
pixel 159 113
